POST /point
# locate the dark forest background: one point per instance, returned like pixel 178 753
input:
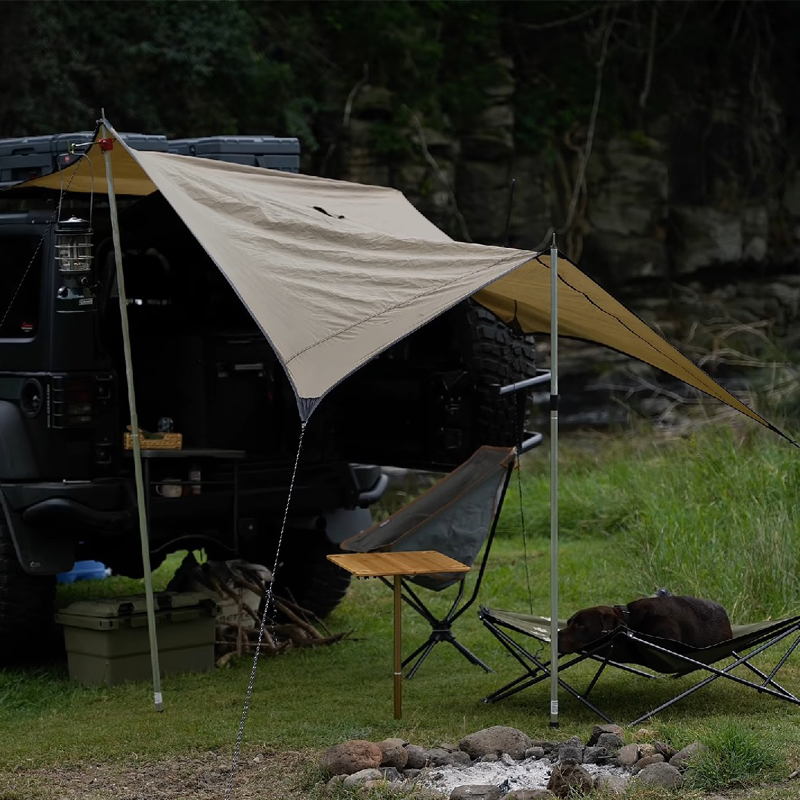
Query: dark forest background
pixel 296 68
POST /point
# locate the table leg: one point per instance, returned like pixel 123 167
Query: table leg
pixel 398 648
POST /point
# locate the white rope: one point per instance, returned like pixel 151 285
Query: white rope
pixel 262 627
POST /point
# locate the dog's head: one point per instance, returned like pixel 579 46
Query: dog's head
pixel 587 626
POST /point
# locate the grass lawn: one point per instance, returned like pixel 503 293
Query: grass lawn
pixel 711 516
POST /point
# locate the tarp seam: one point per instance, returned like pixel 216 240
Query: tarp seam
pixel 531 257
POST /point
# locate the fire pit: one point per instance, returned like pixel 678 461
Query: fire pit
pixel 502 763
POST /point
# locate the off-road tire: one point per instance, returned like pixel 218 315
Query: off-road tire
pixel 495 356
pixel 304 573
pixel 27 606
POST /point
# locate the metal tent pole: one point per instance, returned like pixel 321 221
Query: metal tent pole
pixel 106 145
pixel 553 484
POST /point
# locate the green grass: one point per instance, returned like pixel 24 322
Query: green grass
pixel 711 516
pixel 733 757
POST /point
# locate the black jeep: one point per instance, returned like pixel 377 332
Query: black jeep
pixel 202 367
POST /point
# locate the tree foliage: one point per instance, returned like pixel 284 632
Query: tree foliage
pixel 290 68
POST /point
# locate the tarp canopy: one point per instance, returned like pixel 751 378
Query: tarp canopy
pixel 336 272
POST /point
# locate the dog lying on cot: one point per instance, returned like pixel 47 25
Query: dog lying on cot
pixel 690 620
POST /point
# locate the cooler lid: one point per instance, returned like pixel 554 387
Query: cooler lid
pixel 115 607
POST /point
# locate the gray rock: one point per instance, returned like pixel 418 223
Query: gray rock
pixel 436 757
pixel 391 774
pixel 334 783
pixel 653 758
pixel 489 758
pixel 459 758
pixel 529 794
pixel 682 757
pixel 534 752
pixel 610 784
pixel 569 752
pixel 663 775
pixel 498 739
pixel 708 236
pixel 569 779
pixel 350 757
pixel 416 757
pixel 476 791
pixel 596 755
pixel 599 730
pixel 628 755
pixel 665 749
pixel 357 778
pixel 394 753
pixel 611 741
pixel 410 774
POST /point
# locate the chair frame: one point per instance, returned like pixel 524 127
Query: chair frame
pixel 679 663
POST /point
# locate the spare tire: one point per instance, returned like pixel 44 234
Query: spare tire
pixel 495 356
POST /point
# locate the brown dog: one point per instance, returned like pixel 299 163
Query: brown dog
pixel 695 622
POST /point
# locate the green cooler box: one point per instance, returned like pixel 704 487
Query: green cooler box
pixel 107 640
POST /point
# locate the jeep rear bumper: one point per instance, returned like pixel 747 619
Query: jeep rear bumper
pixel 49 519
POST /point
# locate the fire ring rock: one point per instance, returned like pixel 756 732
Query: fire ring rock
pixel 350 757
pixel 394 753
pixel 569 779
pixel 497 739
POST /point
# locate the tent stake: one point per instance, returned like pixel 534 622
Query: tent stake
pixel 553 484
pixel 137 453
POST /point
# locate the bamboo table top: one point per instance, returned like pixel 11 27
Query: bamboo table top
pixel 415 562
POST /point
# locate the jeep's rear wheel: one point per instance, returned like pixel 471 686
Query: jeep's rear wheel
pixel 304 574
pixel 27 607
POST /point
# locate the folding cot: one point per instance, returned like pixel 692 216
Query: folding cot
pixel 628 650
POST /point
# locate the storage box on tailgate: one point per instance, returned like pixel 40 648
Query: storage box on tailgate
pixel 33 156
pixel 270 152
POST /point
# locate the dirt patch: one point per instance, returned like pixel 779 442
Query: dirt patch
pixel 260 774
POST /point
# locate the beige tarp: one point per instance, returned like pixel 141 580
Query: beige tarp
pixel 336 272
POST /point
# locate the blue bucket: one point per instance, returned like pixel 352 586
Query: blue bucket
pixel 83 571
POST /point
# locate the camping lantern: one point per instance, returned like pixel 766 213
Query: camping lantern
pixel 73 245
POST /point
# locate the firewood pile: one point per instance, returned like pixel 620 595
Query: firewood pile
pixel 241 588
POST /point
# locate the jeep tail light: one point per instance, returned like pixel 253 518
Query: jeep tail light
pixel 72 401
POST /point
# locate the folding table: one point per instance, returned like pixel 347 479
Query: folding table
pixel 397 565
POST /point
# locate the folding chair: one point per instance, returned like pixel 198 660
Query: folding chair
pixel 622 648
pixel 454 517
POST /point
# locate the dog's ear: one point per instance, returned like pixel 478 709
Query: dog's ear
pixel 612 619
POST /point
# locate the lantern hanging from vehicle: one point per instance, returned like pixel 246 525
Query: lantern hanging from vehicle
pixel 73 257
